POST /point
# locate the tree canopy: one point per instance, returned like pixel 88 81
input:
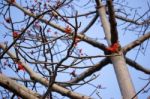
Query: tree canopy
pixel 74 49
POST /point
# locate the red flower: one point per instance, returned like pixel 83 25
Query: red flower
pixel 68 30
pixel 113 48
pixel 20 66
pixel 15 34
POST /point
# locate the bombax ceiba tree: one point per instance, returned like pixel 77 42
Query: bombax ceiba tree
pixel 57 48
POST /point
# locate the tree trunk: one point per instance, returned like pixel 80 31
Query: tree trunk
pixel 119 64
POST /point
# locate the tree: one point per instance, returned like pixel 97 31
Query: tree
pixel 52 48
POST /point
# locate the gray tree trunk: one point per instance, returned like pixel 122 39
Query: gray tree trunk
pixel 119 64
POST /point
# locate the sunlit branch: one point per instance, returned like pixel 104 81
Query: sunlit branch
pixel 18 88
pixel 97 56
pixel 21 80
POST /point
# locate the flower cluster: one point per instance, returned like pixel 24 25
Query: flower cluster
pixel 15 34
pixel 20 66
pixel 68 30
pixel 114 48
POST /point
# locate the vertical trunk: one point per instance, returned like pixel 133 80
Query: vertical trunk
pixel 123 77
pixel 121 70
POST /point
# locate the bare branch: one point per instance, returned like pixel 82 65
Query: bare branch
pixel 17 88
pixel 132 21
pixel 137 66
pixel 90 24
pixel 82 37
pixel 135 43
pixel 90 71
pixel 37 77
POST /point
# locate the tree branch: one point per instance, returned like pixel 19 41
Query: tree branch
pixel 135 43
pixel 113 23
pixel 18 89
pixel 137 66
pixel 38 78
pixel 82 37
pixel 132 21
pixel 90 24
pixel 90 71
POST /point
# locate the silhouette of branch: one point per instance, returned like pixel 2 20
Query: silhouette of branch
pixel 141 90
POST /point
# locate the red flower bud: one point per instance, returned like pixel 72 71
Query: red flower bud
pixel 20 66
pixel 113 48
pixel 15 34
pixel 68 30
